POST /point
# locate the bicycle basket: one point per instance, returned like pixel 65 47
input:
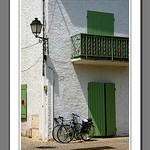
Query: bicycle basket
pixel 89 120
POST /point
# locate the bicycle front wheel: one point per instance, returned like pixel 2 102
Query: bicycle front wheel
pixel 65 134
pixel 54 133
pixel 88 133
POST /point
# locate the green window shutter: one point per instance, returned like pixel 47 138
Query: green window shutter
pixel 23 101
pixel 110 109
pixel 96 107
pixel 100 23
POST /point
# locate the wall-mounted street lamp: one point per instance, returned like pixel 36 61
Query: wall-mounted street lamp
pixel 36 27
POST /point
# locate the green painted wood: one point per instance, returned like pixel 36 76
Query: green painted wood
pixel 96 107
pixel 100 23
pixel 101 108
pixel 110 109
pixel 24 97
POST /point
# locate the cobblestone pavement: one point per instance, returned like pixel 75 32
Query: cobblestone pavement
pixel 119 143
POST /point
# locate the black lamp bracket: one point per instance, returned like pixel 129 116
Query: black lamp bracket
pixel 44 39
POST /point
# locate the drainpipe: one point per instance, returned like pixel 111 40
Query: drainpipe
pixel 43 109
pixel 43 77
pixel 51 100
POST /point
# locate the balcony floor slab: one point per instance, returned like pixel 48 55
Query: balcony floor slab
pixel 80 61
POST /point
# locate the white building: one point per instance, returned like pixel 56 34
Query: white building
pixel 70 69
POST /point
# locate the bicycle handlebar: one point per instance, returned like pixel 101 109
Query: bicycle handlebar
pixel 75 115
pixel 61 118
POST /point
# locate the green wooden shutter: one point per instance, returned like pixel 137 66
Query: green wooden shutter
pixel 23 101
pixel 100 23
pixel 101 108
pixel 110 109
pixel 96 107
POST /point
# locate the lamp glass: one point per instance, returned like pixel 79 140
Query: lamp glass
pixel 38 28
pixel 33 28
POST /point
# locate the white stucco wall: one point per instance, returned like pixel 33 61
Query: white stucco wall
pixel 31 63
pixel 67 18
pixel 63 19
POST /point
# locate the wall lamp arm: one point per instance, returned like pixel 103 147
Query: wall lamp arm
pixel 46 39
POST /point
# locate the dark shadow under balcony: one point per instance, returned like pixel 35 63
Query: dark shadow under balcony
pixel 96 49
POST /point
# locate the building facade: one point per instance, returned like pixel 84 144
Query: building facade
pixel 75 64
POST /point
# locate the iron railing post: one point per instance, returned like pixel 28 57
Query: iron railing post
pixel 112 49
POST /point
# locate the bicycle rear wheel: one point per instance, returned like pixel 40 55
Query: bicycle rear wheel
pixel 88 133
pixel 65 134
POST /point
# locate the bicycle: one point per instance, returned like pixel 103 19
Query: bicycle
pixel 83 131
pixel 67 132
pixel 60 122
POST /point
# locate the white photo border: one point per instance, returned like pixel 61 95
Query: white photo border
pixel 15 143
pixel 135 75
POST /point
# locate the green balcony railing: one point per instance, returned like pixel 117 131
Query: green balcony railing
pixel 89 46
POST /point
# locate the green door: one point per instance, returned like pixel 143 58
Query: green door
pixel 96 107
pixel 100 23
pixel 23 101
pixel 110 109
pixel 101 108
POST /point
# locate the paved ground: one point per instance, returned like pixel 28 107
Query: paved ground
pixel 119 143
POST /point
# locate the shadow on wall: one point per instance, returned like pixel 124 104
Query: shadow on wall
pixel 78 9
pixel 49 65
pixel 101 74
pixel 107 74
pixel 52 16
pixel 77 12
pixel 86 74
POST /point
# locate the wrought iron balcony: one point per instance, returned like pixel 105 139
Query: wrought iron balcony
pixel 98 47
